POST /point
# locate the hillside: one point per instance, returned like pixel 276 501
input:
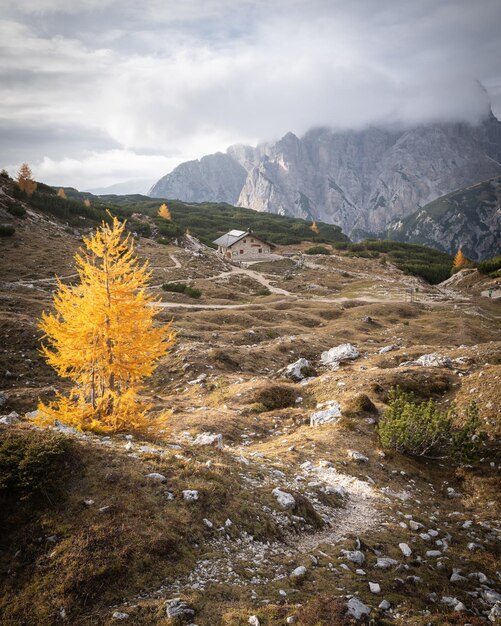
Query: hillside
pixel 362 180
pixel 171 530
pixel 469 218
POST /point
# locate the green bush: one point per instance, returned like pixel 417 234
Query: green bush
pixel 31 464
pixel 317 250
pixel 4 173
pixel 276 396
pixel 490 265
pixel 7 230
pixel 16 209
pixel 423 429
pixel 192 292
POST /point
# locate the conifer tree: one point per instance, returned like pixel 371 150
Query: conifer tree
pixel 61 193
pixel 314 228
pixel 164 212
pixel 459 260
pixel 86 202
pixel 25 180
pixel 102 336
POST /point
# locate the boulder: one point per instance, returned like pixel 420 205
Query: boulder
pixel 299 572
pixel 495 613
pixel 375 587
pixel 358 456
pixel 209 439
pixel 355 556
pixel 298 370
pixel 253 620
pixel 119 615
pixel 330 415
pixel 10 419
pixel 385 563
pixel 434 360
pixel 284 499
pixel 384 605
pixel 178 608
pixel 386 349
pixel 356 608
pixel 157 477
pixel 404 547
pixel 190 495
pixel 339 354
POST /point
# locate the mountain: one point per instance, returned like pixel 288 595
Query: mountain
pixel 469 218
pixel 215 178
pixel 129 186
pixel 361 180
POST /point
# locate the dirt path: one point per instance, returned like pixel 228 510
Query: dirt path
pixel 257 276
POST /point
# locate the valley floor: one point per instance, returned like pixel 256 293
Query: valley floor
pixel 414 541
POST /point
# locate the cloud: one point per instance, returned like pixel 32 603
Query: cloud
pixel 120 86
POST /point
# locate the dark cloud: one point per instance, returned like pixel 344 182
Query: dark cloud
pixel 101 89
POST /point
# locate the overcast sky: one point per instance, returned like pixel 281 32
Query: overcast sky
pixel 95 92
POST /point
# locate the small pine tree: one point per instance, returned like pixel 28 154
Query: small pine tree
pixel 61 194
pixel 102 336
pixel 25 180
pixel 164 212
pixel 459 260
pixel 87 202
pixel 314 228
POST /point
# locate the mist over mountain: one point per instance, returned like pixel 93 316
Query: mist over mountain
pixel 361 180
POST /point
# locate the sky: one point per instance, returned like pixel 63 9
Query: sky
pixel 97 92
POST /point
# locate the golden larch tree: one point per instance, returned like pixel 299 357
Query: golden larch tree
pixel 459 260
pixel 102 336
pixel 314 228
pixel 86 202
pixel 25 180
pixel 164 212
pixel 61 193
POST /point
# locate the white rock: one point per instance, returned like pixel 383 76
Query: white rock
pixel 433 554
pixel 386 349
pixel 119 615
pixel 298 572
pixel 158 477
pixel 209 439
pixel 329 415
pixel 295 370
pixel 474 546
pixel 357 609
pixel 361 572
pixel 425 536
pixel 355 556
pixel 491 596
pixel 375 587
pixel 253 620
pixel 338 354
pixel 456 576
pixel 178 608
pixel 495 613
pixel 190 495
pixel 415 525
pixel 385 562
pixel 358 456
pixel 208 523
pixel 460 607
pixel 284 499
pixel 10 419
pixel 404 547
pixel 292 619
pixel 434 360
pixel 384 605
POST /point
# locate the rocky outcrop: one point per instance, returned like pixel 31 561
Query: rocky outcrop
pixel 469 219
pixel 362 180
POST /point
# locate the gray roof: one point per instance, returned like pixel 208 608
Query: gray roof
pixel 230 238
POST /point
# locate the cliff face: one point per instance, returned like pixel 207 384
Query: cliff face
pixel 361 180
pixel 469 219
pixel 216 178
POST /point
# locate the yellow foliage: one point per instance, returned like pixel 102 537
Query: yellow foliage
pixel 164 212
pixel 61 194
pixel 102 335
pixel 314 228
pixel 459 260
pixel 87 202
pixel 25 180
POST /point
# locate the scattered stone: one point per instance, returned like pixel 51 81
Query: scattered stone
pixel 491 596
pixel 375 587
pixel 474 546
pixel 157 477
pixel 298 370
pixel 330 415
pixel 434 360
pixel 253 620
pixel 208 523
pixel 361 572
pixel 425 536
pixel 335 356
pixel 10 419
pixel 456 576
pixel 495 613
pixel 358 456
pixel 433 554
pixel 299 572
pixel 119 615
pixel 385 562
pixel 292 619
pixel 415 525
pixel 386 349
pixel 178 608
pixel 404 547
pixel 284 499
pixel 190 495
pixel 3 399
pixel 209 439
pixel 384 605
pixel 355 556
pixel 356 608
